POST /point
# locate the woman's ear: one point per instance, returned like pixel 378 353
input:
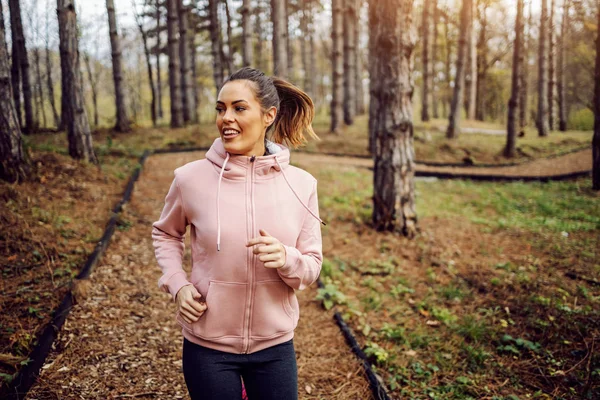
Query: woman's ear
pixel 270 115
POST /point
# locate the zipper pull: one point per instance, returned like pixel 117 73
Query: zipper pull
pixel 252 158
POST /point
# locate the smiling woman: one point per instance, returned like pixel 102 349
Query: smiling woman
pixel 238 309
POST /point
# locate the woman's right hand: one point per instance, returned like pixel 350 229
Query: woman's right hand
pixel 189 302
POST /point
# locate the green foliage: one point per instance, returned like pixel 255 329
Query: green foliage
pixel 380 355
pixel 581 120
pixel 330 295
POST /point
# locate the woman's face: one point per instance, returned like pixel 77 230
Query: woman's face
pixel 240 119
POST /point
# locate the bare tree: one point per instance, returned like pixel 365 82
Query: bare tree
pixel 513 104
pixel 542 114
pixel 93 78
pixel 279 20
pixel 360 95
pixel 465 31
pixel 562 107
pixel 258 30
pixel 425 26
pixel 393 41
pixel 349 76
pixel 337 65
pixel 187 85
pixel 174 70
pixel 50 82
pixel 157 6
pixel 596 139
pixel 39 88
pixel 122 124
pixel 76 120
pixel 551 66
pixel 523 104
pixel 14 165
pixel 289 41
pixel 215 29
pixel 471 71
pixel 230 48
pixel 246 33
pixel 20 67
pixel 153 104
pixel 433 62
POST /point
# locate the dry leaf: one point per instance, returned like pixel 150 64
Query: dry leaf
pixel 432 323
pixel 308 389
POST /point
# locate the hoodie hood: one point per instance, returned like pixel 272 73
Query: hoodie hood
pixel 233 166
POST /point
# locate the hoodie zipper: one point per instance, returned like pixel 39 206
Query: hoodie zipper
pixel 251 279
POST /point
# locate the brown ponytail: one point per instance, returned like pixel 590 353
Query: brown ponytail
pixel 295 109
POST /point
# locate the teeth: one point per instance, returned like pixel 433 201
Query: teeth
pixel 230 132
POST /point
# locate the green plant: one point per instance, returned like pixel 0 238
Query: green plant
pixel 330 295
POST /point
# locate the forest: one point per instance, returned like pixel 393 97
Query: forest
pixel 458 166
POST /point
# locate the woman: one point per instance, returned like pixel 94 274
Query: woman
pixel 255 237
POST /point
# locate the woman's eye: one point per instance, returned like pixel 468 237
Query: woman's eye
pixel 219 109
pixel 239 108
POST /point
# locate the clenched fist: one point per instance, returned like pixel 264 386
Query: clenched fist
pixel 191 307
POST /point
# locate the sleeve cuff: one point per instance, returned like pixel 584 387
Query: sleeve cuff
pixel 292 255
pixel 176 282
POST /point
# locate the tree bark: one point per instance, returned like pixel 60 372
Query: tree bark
pixel 14 165
pixel 39 86
pixel 551 67
pixel 360 95
pixel 193 62
pixel 349 62
pixel 158 53
pixel 246 33
pixel 174 69
pixel 393 41
pixel 187 86
pixel 523 103
pixel 425 25
pixel 433 62
pixel 337 64
pixel 562 106
pixel 215 47
pixel 148 55
pixel 258 29
pixel 448 63
pixel 93 86
pixel 289 42
pixel 279 19
pixel 465 31
pixel 482 51
pixel 122 124
pixel 76 120
pixel 513 104
pixel 230 49
pixel 542 112
pixel 471 75
pixel 50 85
pixel 596 138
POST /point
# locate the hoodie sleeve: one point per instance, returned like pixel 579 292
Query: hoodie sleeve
pixel 303 262
pixel 167 237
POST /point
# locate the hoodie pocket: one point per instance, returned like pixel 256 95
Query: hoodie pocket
pixel 272 313
pixel 224 315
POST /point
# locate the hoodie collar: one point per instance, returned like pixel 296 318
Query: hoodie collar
pixel 234 166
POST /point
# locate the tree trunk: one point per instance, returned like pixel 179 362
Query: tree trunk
pixel 425 35
pixel 50 85
pixel 542 114
pixel 158 53
pixel 174 70
pixel 76 120
pixel 230 49
pixel 289 41
pixel 392 85
pixel 465 31
pixel 360 95
pixel 14 165
pixel 215 47
pixel 433 62
pixel 39 86
pixel 471 75
pixel 304 47
pixel 551 67
pixel 258 30
pixel 93 86
pixel 349 62
pixel 246 33
pixel 148 55
pixel 278 18
pixel 122 124
pixel 193 61
pixel 337 64
pixel 187 86
pixel 596 139
pixel 513 104
pixel 523 103
pixel 562 107
pixel 448 63
pixel 482 48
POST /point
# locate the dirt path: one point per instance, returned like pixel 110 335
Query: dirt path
pixel 122 341
pixel 568 163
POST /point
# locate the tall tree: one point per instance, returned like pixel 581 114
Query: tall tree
pixel 93 78
pixel 50 84
pixel 349 21
pixel 551 66
pixel 187 85
pixel 523 104
pixel 465 31
pixel 246 33
pixel 482 58
pixel 157 6
pixel 434 52
pixel 447 61
pixel 337 65
pixel 393 41
pixel 471 71
pixel 215 30
pixel 174 69
pixel 542 112
pixel 279 20
pixel 596 139
pixel 76 120
pixel 153 104
pixel 14 165
pixel 39 88
pixel 513 103
pixel 289 40
pixel 20 67
pixel 230 48
pixel 562 107
pixel 122 123
pixel 259 31
pixel 360 95
pixel 425 26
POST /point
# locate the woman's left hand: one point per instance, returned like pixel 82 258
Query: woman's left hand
pixel 271 252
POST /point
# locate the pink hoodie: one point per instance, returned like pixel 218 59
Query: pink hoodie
pixel 226 199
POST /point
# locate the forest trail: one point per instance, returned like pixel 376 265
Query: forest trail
pixel 121 340
pixel 566 164
pixel 485 131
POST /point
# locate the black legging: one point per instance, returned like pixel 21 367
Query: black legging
pixel 269 374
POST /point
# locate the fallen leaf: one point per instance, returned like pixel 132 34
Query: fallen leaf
pixel 308 389
pixel 432 323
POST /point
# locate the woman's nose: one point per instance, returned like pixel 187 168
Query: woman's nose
pixel 228 116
